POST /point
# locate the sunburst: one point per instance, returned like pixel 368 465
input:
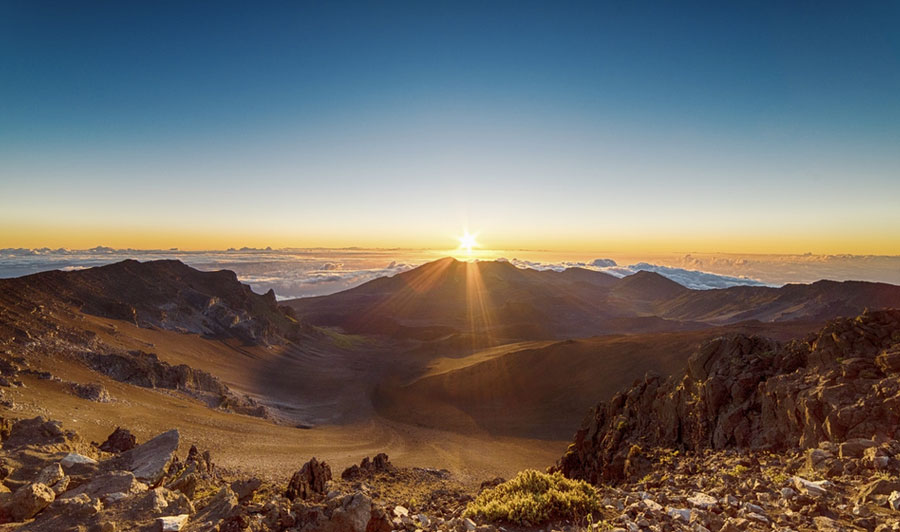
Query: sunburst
pixel 467 242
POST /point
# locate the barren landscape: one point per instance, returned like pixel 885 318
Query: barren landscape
pixel 265 386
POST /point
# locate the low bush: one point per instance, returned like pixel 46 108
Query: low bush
pixel 532 498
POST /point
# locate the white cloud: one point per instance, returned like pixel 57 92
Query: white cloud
pixel 310 272
pixel 694 279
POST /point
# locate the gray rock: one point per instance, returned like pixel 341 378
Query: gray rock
pixel 109 483
pixel 172 523
pixel 702 500
pixel 73 459
pixel 814 489
pixel 150 460
pixel 244 489
pixel 353 515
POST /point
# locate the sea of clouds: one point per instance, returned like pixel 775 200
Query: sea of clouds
pixel 695 279
pixel 293 273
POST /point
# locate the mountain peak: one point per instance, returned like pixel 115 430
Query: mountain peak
pixel 647 285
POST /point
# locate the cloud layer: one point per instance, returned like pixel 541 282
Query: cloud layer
pixel 695 279
pixel 295 273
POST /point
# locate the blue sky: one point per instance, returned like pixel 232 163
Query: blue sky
pixel 600 125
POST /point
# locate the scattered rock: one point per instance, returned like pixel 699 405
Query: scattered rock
pixel 379 464
pixel 244 489
pixel 814 489
pixel 702 501
pixel 172 523
pixel 92 392
pixel 119 441
pixel 854 448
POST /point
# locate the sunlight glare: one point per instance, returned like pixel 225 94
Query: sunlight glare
pixel 467 242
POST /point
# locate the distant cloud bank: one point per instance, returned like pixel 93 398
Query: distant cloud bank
pixel 295 273
pixel 695 279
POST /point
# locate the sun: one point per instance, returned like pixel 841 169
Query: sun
pixel 467 242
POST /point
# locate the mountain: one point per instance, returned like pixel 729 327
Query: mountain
pixel 447 295
pixel 818 301
pixel 503 302
pixel 165 294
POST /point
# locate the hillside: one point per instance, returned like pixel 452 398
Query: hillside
pixel 500 302
pixel 541 389
pixel 165 294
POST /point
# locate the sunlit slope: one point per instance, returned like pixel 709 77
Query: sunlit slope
pixel 500 303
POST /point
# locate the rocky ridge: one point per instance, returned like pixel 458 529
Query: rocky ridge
pixel 165 294
pixel 799 436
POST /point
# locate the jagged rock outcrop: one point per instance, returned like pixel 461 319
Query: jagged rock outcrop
pixel 754 393
pixel 380 464
pixel 148 371
pixel 309 482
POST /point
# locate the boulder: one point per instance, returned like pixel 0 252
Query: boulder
pixel 28 501
pixel 92 392
pixel 352 515
pixel 877 488
pixel 79 506
pixel 150 460
pixel 813 489
pixel 702 501
pixel 222 506
pixel 75 459
pixel 244 489
pixel 107 483
pixel 856 447
pixel 50 475
pixel 309 481
pixel 119 441
pixel 172 523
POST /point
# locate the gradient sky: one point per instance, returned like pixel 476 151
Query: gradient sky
pixel 626 126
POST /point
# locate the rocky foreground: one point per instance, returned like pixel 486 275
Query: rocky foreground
pixel 54 481
pixel 753 435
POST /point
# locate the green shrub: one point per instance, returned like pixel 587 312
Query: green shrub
pixel 532 498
